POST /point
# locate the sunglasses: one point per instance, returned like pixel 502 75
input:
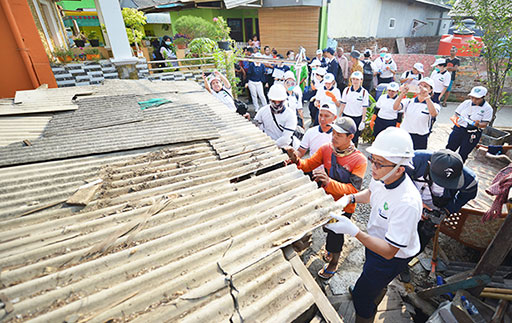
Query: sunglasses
pixel 377 164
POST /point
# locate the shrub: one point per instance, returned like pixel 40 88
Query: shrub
pixel 195 27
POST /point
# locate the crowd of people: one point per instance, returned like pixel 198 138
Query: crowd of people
pixel 411 189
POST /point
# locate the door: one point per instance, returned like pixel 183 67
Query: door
pixel 236 29
pixel 248 29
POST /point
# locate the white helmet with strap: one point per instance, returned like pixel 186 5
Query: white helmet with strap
pixel 395 145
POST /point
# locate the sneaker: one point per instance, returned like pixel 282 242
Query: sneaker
pixel 443 104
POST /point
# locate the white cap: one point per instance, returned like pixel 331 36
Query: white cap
pixel 387 57
pixel 478 92
pixel 329 77
pixel 258 54
pixel 427 80
pixel 289 75
pixel 321 71
pixel 384 49
pixel 357 75
pixel 393 86
pixel 419 67
pixel 329 106
pixel 319 51
pixel 439 61
pixel 315 62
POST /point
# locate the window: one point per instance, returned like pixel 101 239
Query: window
pixel 392 23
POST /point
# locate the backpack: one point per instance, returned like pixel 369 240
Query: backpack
pixel 367 71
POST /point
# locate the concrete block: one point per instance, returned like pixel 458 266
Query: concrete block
pixel 60 77
pixel 82 78
pixel 111 75
pixel 95 74
pixel 74 66
pixel 66 83
pixel 59 70
pixel 83 84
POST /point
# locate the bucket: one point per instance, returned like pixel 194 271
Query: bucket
pixel 493 136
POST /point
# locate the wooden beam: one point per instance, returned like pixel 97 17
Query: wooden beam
pixel 495 253
pixel 321 301
pixel 467 283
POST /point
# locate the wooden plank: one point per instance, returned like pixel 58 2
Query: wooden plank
pixel 400 43
pixel 500 312
pixel 321 301
pixel 468 283
pixel 11 110
pixel 39 95
pixel 495 253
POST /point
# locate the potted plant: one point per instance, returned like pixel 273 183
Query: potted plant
pixel 64 55
pixel 93 38
pixel 134 21
pixel 222 33
pixel 79 39
pixel 92 54
pixel 181 40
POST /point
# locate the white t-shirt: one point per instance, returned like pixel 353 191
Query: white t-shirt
pixel 426 196
pixel 441 80
pixel 321 95
pixel 396 211
pixel 314 138
pixel 386 73
pixel 416 116
pixel 287 121
pixel 354 101
pixel 385 104
pixel 473 112
pixel 225 97
pixel 377 64
pixel 295 99
pixel 410 75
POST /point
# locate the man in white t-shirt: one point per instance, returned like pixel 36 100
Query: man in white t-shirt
pixel 471 118
pixel 218 85
pixel 319 135
pixel 441 78
pixel 276 119
pixel 396 207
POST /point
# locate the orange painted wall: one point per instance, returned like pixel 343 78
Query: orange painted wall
pixel 13 75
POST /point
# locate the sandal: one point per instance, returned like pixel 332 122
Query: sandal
pixel 327 256
pixel 326 274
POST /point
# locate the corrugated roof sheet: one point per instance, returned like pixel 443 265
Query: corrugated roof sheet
pixel 16 128
pixel 182 232
pixel 230 4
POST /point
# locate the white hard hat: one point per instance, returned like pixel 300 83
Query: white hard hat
pixel 258 54
pixel 393 144
pixel 329 77
pixel 315 62
pixel 321 71
pixel 277 92
pixel 393 86
pixel 357 75
pixel 427 80
pixel 289 75
pixel 329 106
pixel 211 78
pixel 319 51
pixel 478 92
pixel 439 61
pixel 419 67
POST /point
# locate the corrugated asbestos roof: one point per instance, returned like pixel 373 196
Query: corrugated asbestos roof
pixel 230 4
pixel 180 231
pixel 16 128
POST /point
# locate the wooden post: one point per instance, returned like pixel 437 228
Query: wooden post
pixel 495 253
pixel 230 71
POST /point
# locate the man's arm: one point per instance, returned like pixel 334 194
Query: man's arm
pixel 377 245
pixel 337 189
pixel 227 85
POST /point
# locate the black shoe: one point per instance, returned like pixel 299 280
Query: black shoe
pixel 351 290
pixel 405 276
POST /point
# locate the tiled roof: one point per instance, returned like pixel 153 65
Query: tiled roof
pixel 186 231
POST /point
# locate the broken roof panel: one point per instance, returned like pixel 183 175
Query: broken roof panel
pixel 16 129
pixel 176 232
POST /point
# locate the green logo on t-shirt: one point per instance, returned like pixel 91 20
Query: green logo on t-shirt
pixel 386 207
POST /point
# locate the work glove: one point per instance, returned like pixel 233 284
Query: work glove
pixel 344 201
pixel 361 126
pixel 343 226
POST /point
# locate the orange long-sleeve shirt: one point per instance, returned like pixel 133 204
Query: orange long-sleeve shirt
pixel 355 164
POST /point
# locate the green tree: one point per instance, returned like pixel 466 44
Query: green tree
pixel 134 22
pixel 194 27
pixel 494 17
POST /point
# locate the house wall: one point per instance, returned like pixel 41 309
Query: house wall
pixel 404 13
pixel 290 27
pixel 73 4
pixel 353 18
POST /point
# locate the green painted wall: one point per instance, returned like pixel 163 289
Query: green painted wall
pixel 73 5
pixel 209 14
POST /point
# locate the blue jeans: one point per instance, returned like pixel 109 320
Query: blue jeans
pixel 377 273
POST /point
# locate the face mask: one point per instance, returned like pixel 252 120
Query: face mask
pixel 382 55
pixel 277 107
pixel 168 43
pixel 291 88
pixel 313 68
